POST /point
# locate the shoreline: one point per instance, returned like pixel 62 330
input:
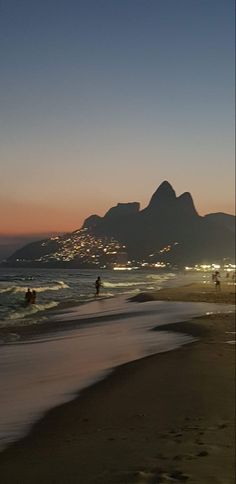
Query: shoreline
pixel 169 416
pixel 194 292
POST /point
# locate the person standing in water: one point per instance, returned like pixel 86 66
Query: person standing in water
pixel 98 284
pixel 28 296
pixel 33 297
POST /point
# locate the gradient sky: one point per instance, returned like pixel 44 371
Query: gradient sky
pixel 102 100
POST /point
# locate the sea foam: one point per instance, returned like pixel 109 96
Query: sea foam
pixel 18 289
pixel 28 311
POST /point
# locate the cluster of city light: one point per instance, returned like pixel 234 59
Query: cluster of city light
pixel 211 267
pixel 123 268
pixel 164 249
pixel 81 245
pixel 136 264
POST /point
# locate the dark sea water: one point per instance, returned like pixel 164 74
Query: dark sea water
pixel 57 289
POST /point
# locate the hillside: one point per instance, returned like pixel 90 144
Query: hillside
pixel 169 230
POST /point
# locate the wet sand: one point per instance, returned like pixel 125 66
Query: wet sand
pixel 194 292
pixel 165 418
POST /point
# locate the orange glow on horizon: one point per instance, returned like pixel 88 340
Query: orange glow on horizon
pixel 29 218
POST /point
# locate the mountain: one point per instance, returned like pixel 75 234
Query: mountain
pixel 11 243
pixel 222 220
pixel 164 194
pixel 169 230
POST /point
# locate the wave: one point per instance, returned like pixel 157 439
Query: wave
pixel 28 311
pixel 16 289
pixel 131 291
pixel 15 278
pixel 123 284
pixel 161 277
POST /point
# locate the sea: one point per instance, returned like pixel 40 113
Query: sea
pixel 96 335
pixel 60 289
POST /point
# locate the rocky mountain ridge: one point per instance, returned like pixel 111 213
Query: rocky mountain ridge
pixel 169 230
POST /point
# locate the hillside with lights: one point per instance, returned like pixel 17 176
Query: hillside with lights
pixel 168 232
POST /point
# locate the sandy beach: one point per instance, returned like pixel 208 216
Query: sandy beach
pixel 195 292
pixel 165 418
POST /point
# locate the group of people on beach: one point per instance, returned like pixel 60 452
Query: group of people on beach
pixel 216 279
pixel 30 296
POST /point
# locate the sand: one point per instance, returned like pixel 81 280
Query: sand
pixel 194 292
pixel 165 418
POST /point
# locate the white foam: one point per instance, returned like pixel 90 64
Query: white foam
pixel 120 284
pixel 18 289
pixel 28 311
pixel 161 277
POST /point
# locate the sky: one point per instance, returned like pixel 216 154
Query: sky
pixel 102 100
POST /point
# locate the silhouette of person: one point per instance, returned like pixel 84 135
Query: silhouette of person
pixel 217 281
pixel 33 297
pixel 98 284
pixel 28 296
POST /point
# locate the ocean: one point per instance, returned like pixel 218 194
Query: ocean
pixel 59 289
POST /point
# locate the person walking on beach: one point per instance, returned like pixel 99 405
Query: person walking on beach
pixel 98 284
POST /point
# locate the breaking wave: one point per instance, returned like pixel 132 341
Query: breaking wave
pixel 18 289
pixel 161 277
pixel 28 311
pixel 122 284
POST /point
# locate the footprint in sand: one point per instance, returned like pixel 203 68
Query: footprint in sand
pixel 222 426
pixel 138 477
pixel 160 477
pixel 174 476
pixel 199 442
pixel 203 453
pixel 182 457
pixel 145 477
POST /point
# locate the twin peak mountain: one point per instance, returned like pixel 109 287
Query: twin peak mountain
pixel 162 201
pixel 168 221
